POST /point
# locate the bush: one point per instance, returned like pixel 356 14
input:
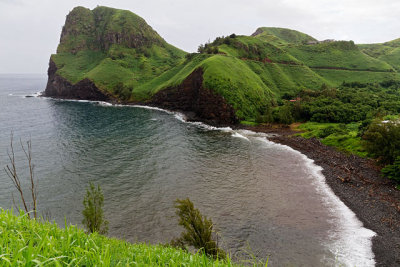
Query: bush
pixel 393 171
pixel 93 217
pixel 382 141
pixel 199 230
pixel 285 114
pixel 325 132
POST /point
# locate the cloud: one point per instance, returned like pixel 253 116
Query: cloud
pixel 30 29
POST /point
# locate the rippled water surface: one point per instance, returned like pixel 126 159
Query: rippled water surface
pixel 262 197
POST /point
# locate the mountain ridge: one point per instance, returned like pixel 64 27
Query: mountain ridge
pixel 115 55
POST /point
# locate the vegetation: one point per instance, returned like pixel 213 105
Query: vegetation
pixel 125 57
pixel 382 140
pixel 34 243
pixel 392 171
pixel 198 230
pixel 93 216
pixel 13 174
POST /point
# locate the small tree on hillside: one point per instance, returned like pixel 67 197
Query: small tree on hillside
pixel 199 229
pixel 11 171
pixel 93 217
pixel 285 114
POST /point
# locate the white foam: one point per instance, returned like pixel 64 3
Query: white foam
pixel 238 135
pixel 104 104
pixel 351 242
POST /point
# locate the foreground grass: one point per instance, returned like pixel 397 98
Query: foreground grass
pixel 32 243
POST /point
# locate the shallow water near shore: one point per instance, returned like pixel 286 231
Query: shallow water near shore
pixel 263 198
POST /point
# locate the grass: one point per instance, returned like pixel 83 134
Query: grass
pixel 339 54
pixel 32 243
pixel 125 57
pixel 344 137
pixel 282 35
pixel 337 77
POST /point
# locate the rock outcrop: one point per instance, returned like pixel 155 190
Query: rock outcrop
pixel 197 102
pixel 59 87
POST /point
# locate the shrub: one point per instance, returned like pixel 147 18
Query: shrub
pixel 393 171
pixel 285 114
pixel 199 230
pixel 93 217
pixel 382 141
pixel 325 132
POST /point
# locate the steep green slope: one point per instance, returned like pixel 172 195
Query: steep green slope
pixel 228 76
pixel 115 49
pixel 25 242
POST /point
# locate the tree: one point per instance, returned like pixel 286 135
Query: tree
pixel 199 229
pixel 285 114
pixel 382 140
pixel 11 171
pixel 93 217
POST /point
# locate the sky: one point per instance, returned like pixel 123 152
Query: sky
pixel 30 29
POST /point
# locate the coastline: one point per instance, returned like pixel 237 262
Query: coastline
pixel 358 183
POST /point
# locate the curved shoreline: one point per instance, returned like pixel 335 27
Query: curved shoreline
pixel 358 183
pixel 355 181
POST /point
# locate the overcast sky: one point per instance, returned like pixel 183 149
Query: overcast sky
pixel 30 29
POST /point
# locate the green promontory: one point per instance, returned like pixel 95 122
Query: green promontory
pixel 112 54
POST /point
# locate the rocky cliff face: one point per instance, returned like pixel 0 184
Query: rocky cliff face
pixel 196 101
pixel 59 87
pixel 100 28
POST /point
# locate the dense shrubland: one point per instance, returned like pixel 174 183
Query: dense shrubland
pixel 358 118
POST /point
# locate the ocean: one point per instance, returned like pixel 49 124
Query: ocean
pixel 265 199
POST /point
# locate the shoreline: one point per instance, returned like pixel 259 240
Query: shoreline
pixel 358 183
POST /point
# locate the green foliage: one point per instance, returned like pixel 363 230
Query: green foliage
pixel 266 116
pixel 234 80
pixel 198 230
pixel 393 171
pixel 382 140
pixel 25 242
pixel 345 137
pixel 285 114
pixel 93 217
pixel 350 103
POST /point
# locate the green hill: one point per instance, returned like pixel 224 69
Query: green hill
pixel 112 54
pixel 388 52
pixel 26 242
pixel 282 36
pixel 115 49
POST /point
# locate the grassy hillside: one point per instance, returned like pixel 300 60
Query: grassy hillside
pixel 125 57
pixel 341 54
pixel 31 243
pixel 116 49
pixel 388 52
pixel 282 36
